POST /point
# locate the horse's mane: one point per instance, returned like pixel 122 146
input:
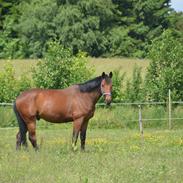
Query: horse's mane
pixel 93 84
pixel 90 85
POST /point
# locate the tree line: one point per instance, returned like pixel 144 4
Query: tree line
pixel 59 68
pixel 99 28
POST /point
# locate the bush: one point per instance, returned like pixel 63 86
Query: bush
pixel 10 87
pixel 165 70
pixel 117 81
pixel 8 84
pixel 134 88
pixel 60 68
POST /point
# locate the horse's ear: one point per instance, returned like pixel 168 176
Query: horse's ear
pixel 103 75
pixel 110 74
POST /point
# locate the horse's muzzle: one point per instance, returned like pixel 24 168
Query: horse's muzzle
pixel 108 100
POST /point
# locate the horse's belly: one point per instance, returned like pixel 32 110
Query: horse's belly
pixel 56 118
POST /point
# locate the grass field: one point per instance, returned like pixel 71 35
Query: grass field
pixel 111 156
pixel 115 152
pixel 100 64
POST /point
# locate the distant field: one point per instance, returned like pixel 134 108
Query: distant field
pixel 100 65
pixel 124 64
pixel 111 156
pixel 21 66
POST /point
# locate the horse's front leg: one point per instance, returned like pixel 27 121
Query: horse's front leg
pixel 77 124
pixel 83 134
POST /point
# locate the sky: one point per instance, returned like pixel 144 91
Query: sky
pixel 177 5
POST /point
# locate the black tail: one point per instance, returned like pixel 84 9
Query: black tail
pixel 21 123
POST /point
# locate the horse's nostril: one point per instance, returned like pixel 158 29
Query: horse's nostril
pixel 108 102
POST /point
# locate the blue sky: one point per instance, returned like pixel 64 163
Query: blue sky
pixel 177 5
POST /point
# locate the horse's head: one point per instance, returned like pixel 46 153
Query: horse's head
pixel 106 87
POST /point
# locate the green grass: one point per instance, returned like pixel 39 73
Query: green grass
pixel 111 156
pixel 122 117
pixel 100 64
pixel 20 66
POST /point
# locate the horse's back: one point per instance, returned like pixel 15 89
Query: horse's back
pixel 49 104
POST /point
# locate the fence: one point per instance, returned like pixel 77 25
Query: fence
pixel 141 119
pixel 140 105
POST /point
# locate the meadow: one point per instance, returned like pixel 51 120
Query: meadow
pixel 112 155
pixel 125 65
pixel 115 151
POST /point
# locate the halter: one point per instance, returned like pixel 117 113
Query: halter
pixel 105 93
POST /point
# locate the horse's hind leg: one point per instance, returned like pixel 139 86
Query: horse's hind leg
pixel 21 135
pixel 21 139
pixel 32 133
pixel 18 141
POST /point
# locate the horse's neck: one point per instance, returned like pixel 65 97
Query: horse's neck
pixel 95 95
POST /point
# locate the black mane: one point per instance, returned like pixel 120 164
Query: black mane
pixel 90 85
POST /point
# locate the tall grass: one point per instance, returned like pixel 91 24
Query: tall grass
pixel 112 117
pixel 99 64
pixel 125 65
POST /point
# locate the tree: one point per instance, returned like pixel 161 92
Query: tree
pixel 144 20
pixel 6 7
pixel 134 88
pixel 176 24
pixel 79 25
pixel 165 70
pixel 59 68
pixel 100 28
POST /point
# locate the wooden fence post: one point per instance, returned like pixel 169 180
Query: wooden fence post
pixel 140 121
pixel 169 110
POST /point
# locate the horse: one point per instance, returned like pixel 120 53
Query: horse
pixel 73 104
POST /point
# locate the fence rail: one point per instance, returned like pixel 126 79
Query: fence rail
pixel 119 103
pixel 6 104
pixel 140 105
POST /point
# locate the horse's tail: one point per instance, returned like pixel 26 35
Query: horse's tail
pixel 21 122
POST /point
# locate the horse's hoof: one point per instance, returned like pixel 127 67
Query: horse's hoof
pixel 74 147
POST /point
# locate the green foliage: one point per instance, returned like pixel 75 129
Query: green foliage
pixel 11 46
pixel 176 22
pixel 8 84
pixel 24 83
pixel 120 42
pixel 10 87
pixel 110 28
pixel 134 89
pixel 165 70
pixel 6 7
pixel 117 82
pixel 60 69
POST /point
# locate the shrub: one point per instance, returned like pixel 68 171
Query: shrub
pixel 165 70
pixel 8 84
pixel 134 88
pixel 60 68
pixel 117 80
pixel 10 87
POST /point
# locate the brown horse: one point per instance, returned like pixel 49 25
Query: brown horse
pixel 75 103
